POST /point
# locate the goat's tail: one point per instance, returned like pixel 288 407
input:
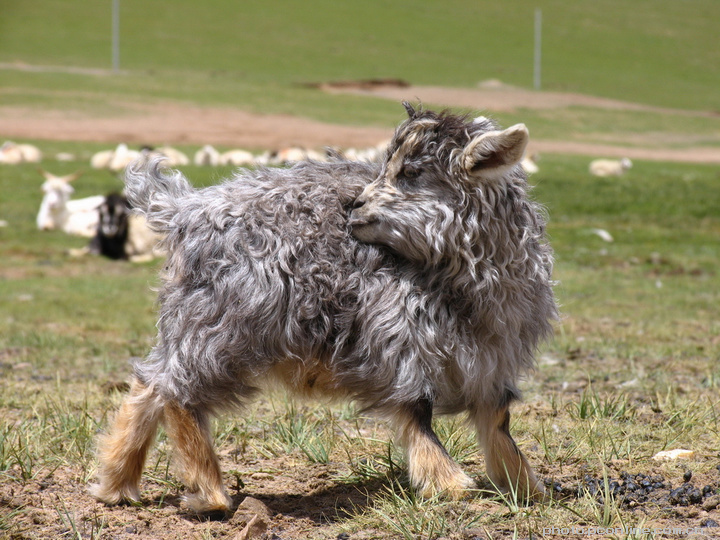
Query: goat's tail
pixel 154 191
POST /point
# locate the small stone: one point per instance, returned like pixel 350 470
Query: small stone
pixel 669 455
pixel 255 528
pixel 250 504
pixel 249 509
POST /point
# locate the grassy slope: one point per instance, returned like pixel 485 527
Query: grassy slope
pixel 661 52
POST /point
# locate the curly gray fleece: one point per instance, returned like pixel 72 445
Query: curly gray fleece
pixel 423 277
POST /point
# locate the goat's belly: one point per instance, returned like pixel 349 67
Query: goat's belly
pixel 308 378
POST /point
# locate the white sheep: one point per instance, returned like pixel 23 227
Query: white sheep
pixel 122 157
pixel 295 154
pixel 65 156
pixel 207 155
pixel 609 167
pixel 14 154
pixel 529 164
pixel 78 217
pixel 287 156
pixel 10 153
pixel 102 159
pixel 114 160
pixel 367 155
pixel 30 153
pixel 142 244
pixel 173 156
pixel 237 158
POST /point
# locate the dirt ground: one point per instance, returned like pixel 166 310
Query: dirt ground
pixel 181 123
pixel 288 498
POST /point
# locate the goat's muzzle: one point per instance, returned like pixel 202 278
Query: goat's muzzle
pixel 357 219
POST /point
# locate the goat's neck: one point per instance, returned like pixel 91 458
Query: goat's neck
pixel 54 215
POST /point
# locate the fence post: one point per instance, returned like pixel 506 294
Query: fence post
pixel 116 35
pixel 538 48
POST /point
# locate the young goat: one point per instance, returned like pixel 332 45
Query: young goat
pixel 417 285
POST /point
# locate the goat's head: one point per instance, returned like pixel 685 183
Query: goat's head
pixel 56 193
pixel 114 212
pixel 434 165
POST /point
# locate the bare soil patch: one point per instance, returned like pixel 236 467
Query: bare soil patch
pixel 181 123
pixel 171 122
pixel 495 96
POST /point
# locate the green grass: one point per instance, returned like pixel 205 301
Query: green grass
pixel 661 52
pixel 632 370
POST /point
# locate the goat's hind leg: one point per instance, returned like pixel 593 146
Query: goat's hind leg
pixel 189 431
pixel 123 450
pixel 431 469
pixel 506 465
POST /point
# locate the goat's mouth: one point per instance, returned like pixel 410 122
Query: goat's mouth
pixel 364 229
pixel 360 219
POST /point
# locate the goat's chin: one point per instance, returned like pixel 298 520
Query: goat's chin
pixel 367 232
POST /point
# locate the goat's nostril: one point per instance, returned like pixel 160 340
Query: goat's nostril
pixel 358 203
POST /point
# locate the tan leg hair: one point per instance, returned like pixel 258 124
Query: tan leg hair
pixel 190 433
pixel 430 468
pixel 506 465
pixel 122 451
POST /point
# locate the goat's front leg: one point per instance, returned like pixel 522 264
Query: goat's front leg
pixel 189 430
pixel 430 467
pixel 506 465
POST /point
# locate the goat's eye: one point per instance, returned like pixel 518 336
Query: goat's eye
pixel 410 171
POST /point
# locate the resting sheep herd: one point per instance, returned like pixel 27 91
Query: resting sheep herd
pixel 415 285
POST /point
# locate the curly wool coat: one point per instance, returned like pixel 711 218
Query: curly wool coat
pixel 265 273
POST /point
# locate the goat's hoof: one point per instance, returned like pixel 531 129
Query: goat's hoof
pixel 126 494
pixel 461 488
pixel 526 495
pixel 456 487
pixel 216 503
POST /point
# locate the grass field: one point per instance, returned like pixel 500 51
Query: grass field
pixel 633 370
pixel 634 367
pixel 661 52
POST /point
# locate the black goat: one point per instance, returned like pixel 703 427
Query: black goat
pixel 112 229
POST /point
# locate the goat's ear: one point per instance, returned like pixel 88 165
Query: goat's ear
pixel 491 154
pixel 46 175
pixel 72 177
pixel 411 112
